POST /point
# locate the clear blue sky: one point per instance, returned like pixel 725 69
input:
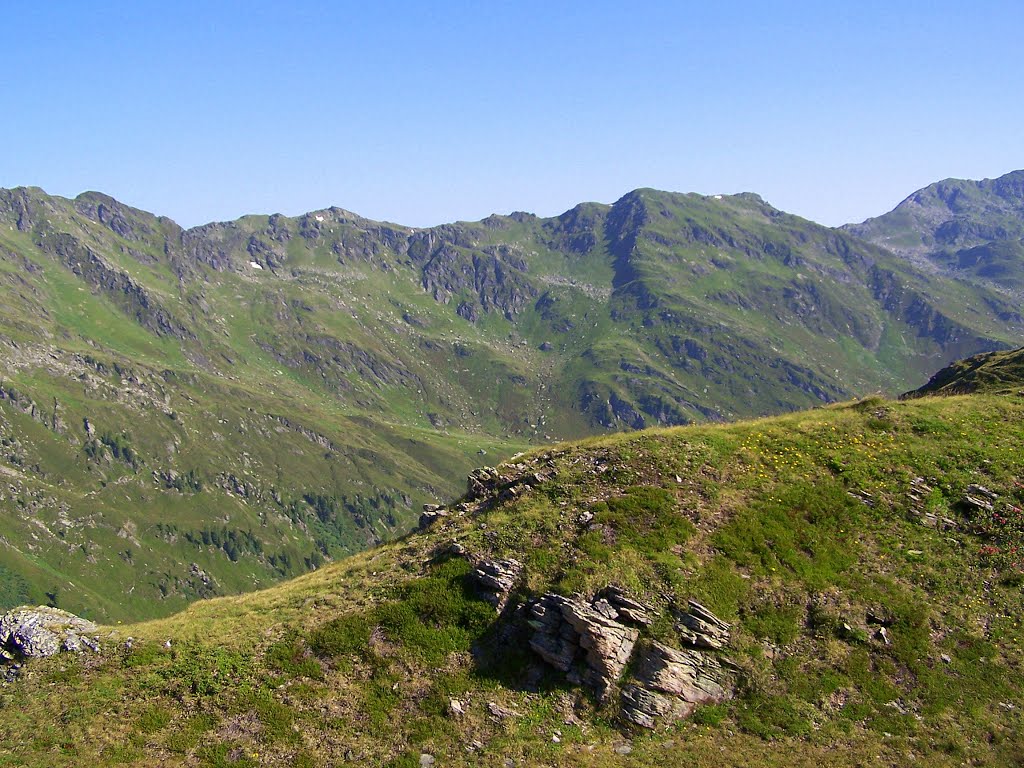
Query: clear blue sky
pixel 428 112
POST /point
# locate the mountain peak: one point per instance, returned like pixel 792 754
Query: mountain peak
pixel 971 229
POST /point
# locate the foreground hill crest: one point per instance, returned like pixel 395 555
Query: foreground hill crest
pixel 815 588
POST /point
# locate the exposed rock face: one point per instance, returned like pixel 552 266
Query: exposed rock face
pixel 917 500
pixel 431 514
pixel 496 579
pixel 700 628
pixel 126 292
pixel 43 631
pixel 632 611
pixel 584 640
pixel 512 480
pixel 593 642
pixel 482 481
pixel 978 498
pixel 671 683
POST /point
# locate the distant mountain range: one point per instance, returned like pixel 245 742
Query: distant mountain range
pixel 186 413
pixel 970 230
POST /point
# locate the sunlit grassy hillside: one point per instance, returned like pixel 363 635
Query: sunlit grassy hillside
pixel 808 533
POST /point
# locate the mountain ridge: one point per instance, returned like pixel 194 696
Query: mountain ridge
pixel 994 372
pixel 973 229
pixel 286 391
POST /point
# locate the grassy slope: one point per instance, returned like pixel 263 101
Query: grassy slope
pixel 359 659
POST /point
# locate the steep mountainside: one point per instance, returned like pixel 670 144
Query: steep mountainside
pixel 991 372
pixel 835 587
pixel 973 230
pixel 186 413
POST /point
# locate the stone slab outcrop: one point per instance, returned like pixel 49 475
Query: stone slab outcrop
pixel 671 683
pixel 585 640
pixel 43 631
pixel 594 641
pixel 495 580
pixel 700 628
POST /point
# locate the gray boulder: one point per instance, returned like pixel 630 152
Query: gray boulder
pixel 43 631
pixel 583 639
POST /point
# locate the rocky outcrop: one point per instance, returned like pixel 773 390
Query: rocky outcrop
pixel 917 503
pixel 126 292
pixel 22 402
pixel 978 498
pixel 123 220
pixel 509 482
pixel 902 301
pixel 495 580
pixel 670 683
pixel 43 631
pixel 631 611
pixel 585 640
pixel 452 264
pixel 481 481
pixel 432 513
pixel 594 641
pixel 700 628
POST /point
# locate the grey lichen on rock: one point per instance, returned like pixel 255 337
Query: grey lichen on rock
pixel 28 632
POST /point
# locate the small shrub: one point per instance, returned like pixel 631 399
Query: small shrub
pixel 225 755
pixel 380 699
pixel 437 614
pixel 344 636
pixel 119 754
pixel 432 616
pixel 290 657
pixel 154 719
pixel 711 714
pixel 646 518
pixel 277 719
pixel 771 717
pixel 720 587
pixel 207 671
pixel 780 624
pixel 144 655
pixel 407 760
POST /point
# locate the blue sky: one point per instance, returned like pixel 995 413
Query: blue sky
pixel 423 113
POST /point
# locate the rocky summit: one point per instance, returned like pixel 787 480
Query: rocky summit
pixel 970 230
